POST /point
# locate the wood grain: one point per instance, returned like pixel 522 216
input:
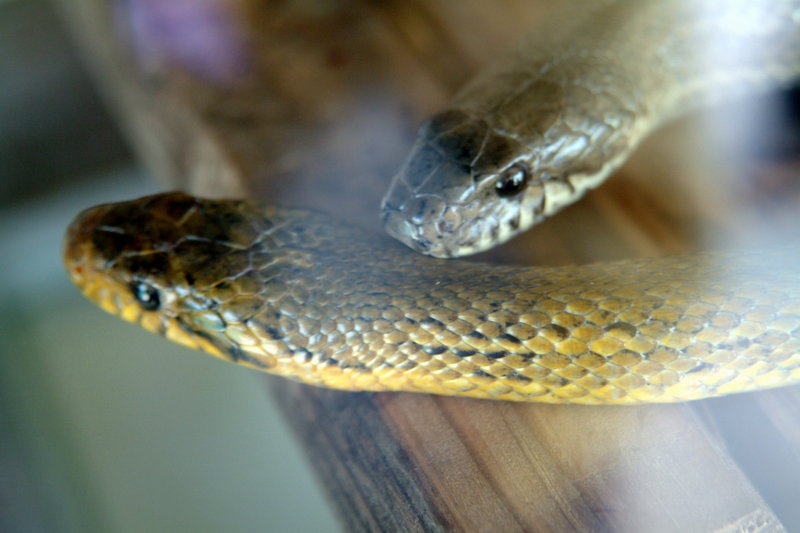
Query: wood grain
pixel 316 105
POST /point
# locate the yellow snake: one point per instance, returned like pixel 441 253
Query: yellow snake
pixel 303 295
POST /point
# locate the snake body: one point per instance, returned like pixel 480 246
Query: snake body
pixel 535 132
pixel 298 293
pixel 302 295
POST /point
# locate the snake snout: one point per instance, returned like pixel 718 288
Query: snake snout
pixel 404 230
pixel 424 223
pixel 77 243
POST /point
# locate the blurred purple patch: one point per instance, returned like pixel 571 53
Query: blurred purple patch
pixel 204 37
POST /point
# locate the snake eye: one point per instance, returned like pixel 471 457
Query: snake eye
pixel 512 180
pixel 146 295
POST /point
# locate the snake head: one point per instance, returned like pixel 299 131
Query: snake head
pixel 157 262
pixel 464 188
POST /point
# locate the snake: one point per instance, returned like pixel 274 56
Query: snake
pixel 533 133
pixel 304 295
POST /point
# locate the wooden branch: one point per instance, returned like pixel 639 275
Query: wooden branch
pixel 315 104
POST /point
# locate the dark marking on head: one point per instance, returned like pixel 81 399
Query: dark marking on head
pixel 497 152
pixel 424 160
pixel 442 122
pixel 110 241
pixel 144 266
pixel 462 145
pixel 175 206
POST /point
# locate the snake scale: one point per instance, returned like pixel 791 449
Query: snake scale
pixel 300 294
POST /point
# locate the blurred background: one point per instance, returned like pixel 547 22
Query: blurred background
pixel 104 427
pixel 78 412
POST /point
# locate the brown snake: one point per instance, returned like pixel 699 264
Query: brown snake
pixel 536 131
pixel 300 294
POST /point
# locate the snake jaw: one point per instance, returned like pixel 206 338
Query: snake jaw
pixel 431 227
pixel 404 231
